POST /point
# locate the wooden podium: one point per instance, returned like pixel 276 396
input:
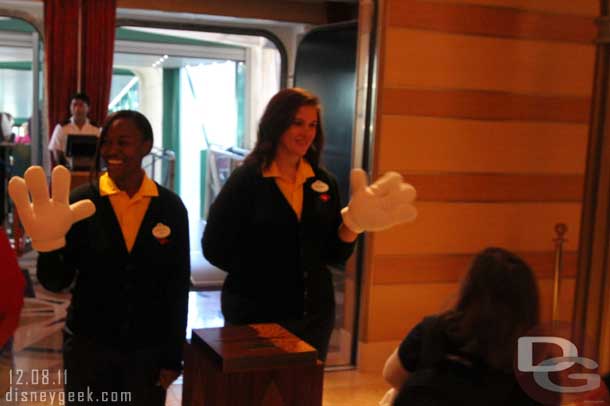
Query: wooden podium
pixel 256 364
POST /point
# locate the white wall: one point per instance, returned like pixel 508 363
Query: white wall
pixel 16 94
pixel 151 99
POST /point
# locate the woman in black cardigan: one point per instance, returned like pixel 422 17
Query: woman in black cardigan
pixel 277 224
pixel 128 267
pixel 466 355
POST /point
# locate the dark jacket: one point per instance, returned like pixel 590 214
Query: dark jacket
pixel 125 300
pixel 276 264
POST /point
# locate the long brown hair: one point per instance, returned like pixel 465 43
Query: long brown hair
pixel 498 303
pixel 278 116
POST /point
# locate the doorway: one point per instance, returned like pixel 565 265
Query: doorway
pixel 186 81
pixel 203 93
pixel 21 143
pixel 334 81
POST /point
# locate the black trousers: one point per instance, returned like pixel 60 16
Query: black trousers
pixel 314 329
pixel 99 375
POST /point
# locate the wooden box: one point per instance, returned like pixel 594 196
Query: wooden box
pixel 257 364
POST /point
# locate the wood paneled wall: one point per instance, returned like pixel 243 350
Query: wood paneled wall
pixel 483 105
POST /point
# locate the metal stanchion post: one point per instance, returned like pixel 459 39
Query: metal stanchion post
pixel 560 230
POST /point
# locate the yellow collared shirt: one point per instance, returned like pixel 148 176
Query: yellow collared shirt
pixel 129 211
pixel 292 191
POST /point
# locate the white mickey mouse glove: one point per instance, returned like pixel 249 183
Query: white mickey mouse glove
pixel 47 220
pixel 383 204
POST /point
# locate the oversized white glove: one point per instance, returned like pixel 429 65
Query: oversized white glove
pixel 383 204
pixel 47 220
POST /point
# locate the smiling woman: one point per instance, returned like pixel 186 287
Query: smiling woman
pixel 125 140
pixel 276 226
pixel 135 245
pixel 297 138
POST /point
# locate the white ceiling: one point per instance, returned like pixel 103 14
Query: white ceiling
pixel 17 48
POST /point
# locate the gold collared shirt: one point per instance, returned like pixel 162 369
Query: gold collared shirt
pixel 292 191
pixel 129 211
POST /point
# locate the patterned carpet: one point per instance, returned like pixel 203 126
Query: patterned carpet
pixel 35 365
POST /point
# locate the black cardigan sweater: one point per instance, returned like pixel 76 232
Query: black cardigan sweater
pixel 276 264
pixel 124 300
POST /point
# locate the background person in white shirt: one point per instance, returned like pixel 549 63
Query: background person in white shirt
pixel 77 124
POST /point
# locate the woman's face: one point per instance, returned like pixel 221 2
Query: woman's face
pixel 298 137
pixel 123 150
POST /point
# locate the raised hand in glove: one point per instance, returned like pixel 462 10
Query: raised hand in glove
pixel 47 220
pixel 383 204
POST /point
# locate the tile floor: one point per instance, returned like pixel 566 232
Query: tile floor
pixel 37 349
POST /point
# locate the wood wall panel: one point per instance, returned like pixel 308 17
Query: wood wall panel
pixel 431 144
pixel 468 187
pixel 576 7
pixel 434 60
pixel 485 105
pixel 491 21
pixel 395 309
pixel 450 268
pixel 443 228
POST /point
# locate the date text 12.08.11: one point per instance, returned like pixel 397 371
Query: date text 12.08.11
pixel 37 377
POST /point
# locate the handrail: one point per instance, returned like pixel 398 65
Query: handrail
pixel 216 175
pixel 159 156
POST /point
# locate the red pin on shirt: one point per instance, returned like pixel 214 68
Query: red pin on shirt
pixel 11 290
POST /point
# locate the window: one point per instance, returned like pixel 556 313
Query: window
pixel 201 91
pixel 124 91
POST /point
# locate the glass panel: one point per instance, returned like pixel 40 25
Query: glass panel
pixel 124 91
pixel 201 91
pixel 334 82
pixel 20 96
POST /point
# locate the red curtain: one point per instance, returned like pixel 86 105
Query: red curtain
pixel 98 50
pixel 61 56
